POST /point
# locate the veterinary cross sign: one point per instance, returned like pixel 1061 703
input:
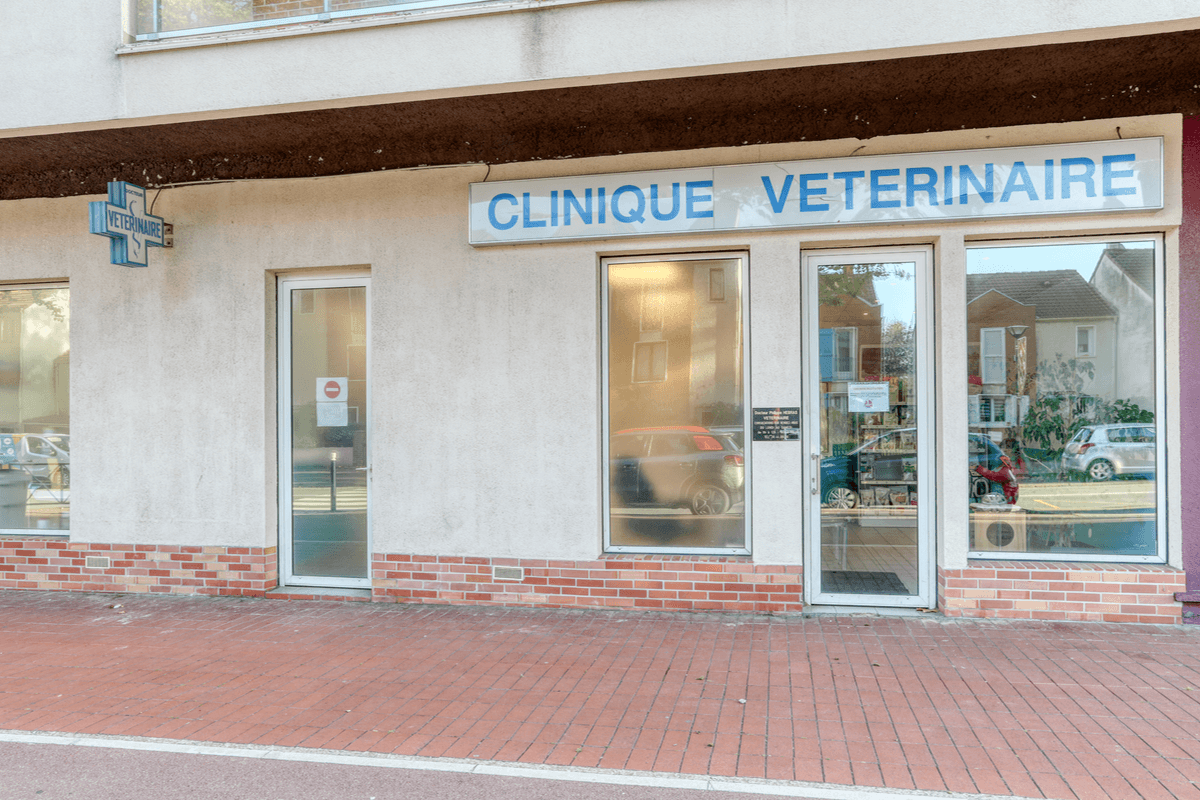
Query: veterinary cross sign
pixel 125 220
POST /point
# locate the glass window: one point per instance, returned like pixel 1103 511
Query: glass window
pixel 156 18
pixel 1064 461
pixel 1085 340
pixel 35 395
pixel 675 364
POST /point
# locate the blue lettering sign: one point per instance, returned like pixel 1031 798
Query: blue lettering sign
pixel 658 215
pixel 1019 180
pixel 878 188
pixel 571 201
pixel 1110 174
pixel 693 198
pixel 638 212
pixel 777 201
pixel 526 221
pixel 967 179
pixel 848 178
pixel 496 223
pixel 1087 177
pixel 807 191
pixel 912 186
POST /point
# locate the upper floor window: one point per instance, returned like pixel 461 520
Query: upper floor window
pixel 161 19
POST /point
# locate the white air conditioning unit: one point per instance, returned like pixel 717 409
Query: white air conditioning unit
pixel 998 529
pixel 996 410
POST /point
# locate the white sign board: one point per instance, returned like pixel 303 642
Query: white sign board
pixel 1043 180
pixel 865 398
pixel 332 390
pixel 332 415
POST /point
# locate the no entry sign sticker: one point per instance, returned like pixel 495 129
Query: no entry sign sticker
pixel 331 390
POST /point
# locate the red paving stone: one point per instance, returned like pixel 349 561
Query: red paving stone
pixel 1071 711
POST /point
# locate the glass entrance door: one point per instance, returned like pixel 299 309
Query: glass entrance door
pixel 324 435
pixel 867 354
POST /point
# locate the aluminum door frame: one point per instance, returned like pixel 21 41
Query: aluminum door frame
pixel 810 261
pixel 284 286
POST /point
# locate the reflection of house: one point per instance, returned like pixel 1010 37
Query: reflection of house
pixel 1125 278
pixel 1064 318
pixel 675 344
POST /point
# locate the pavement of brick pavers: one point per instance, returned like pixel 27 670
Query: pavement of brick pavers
pixel 1032 709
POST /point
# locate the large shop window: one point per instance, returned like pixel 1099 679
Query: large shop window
pixel 676 405
pixel 35 434
pixel 1064 388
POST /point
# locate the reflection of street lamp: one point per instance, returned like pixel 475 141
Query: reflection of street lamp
pixel 1018 333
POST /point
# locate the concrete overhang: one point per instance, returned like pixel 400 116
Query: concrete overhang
pixel 1049 83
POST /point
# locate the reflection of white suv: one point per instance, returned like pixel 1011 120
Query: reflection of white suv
pixel 1103 452
pixel 47 458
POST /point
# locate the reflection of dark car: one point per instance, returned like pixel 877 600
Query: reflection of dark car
pixel 892 458
pixel 684 467
pixel 1104 452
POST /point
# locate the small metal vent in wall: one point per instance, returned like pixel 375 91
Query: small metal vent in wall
pixel 97 562
pixel 508 573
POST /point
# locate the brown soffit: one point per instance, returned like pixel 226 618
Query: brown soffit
pixel 1134 76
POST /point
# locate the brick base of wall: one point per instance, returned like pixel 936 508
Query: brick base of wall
pixel 1011 589
pixel 682 583
pixel 1062 591
pixel 56 564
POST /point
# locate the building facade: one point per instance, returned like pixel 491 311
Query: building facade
pixel 527 303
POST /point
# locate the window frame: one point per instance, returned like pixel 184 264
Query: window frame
pixel 324 21
pixel 1091 351
pixel 606 432
pixel 45 533
pixel 1162 467
pixel 984 369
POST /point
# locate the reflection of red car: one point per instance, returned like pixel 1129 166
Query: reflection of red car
pixel 682 467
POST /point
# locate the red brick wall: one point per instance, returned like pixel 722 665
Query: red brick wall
pixel 56 564
pixel 1062 591
pixel 1009 589
pixel 683 583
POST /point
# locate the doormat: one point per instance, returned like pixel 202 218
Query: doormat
pixel 846 582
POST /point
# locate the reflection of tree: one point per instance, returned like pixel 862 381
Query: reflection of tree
pixel 835 284
pixel 897 356
pixel 55 300
pixel 1063 407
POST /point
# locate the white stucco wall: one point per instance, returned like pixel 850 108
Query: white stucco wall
pixel 486 376
pixel 88 84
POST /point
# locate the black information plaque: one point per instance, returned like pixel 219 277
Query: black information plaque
pixel 777 424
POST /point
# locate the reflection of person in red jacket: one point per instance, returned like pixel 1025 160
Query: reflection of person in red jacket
pixel 1005 476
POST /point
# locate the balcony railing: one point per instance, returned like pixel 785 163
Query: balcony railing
pixel 162 19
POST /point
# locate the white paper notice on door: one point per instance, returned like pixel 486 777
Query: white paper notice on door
pixel 864 398
pixel 332 415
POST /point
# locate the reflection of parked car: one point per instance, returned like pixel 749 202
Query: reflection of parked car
pixel 891 458
pixel 47 458
pixel 1103 452
pixel 683 467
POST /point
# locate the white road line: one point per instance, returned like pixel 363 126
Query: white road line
pixel 815 791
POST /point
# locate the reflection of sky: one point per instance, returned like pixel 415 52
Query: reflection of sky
pixel 1040 258
pixel 898 293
